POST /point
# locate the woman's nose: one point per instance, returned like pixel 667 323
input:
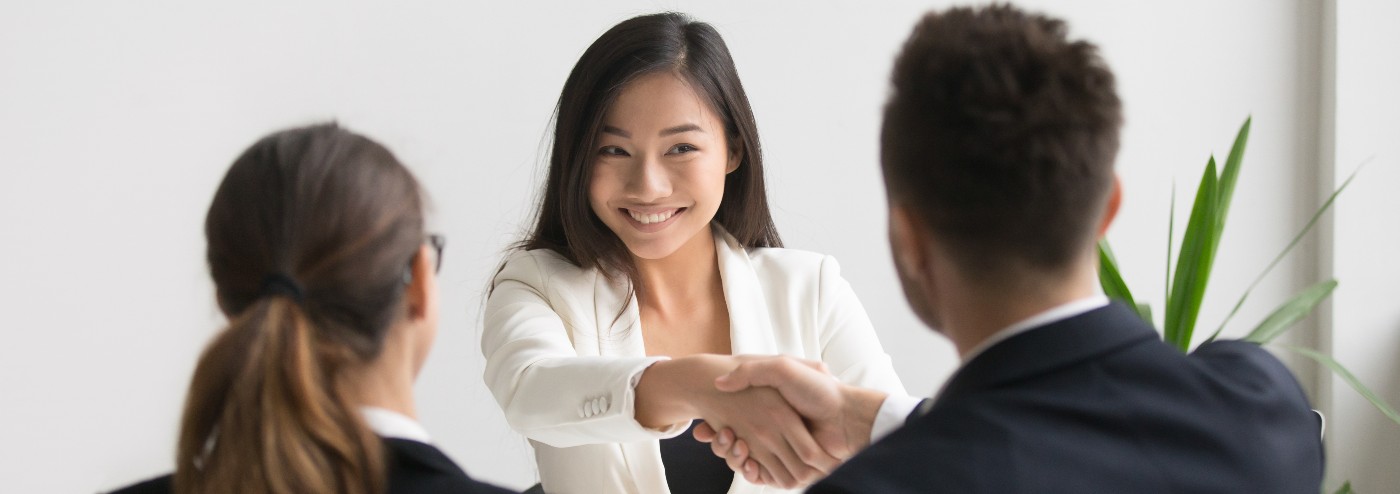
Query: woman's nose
pixel 648 180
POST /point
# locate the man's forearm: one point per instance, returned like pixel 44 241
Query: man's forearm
pixel 860 407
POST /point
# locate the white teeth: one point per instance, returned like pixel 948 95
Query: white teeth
pixel 647 219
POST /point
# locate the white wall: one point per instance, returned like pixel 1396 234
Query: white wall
pixel 118 120
pixel 1365 321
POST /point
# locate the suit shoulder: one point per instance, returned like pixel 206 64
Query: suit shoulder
pixel 422 468
pixel 538 266
pixel 917 458
pixel 1237 351
pixel 1242 359
pixel 158 485
pixel 1251 367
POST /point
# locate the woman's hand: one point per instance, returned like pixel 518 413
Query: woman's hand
pixel 839 416
pixel 776 437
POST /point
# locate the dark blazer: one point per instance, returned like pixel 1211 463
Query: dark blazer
pixel 1098 403
pixel 414 467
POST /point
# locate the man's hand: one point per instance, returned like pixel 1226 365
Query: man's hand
pixel 839 416
pixel 779 438
pixel 679 390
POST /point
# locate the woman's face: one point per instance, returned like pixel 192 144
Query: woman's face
pixel 659 166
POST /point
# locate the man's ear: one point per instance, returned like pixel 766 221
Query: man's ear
pixel 1110 210
pixel 908 242
pixel 736 156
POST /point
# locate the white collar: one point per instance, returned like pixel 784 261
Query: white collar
pixel 1057 313
pixel 750 327
pixel 390 424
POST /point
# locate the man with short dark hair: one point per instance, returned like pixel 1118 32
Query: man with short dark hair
pixel 997 150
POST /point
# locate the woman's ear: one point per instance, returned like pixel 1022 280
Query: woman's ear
pixel 421 299
pixel 420 295
pixel 736 156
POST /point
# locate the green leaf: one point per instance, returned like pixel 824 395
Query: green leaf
pixel 1171 230
pixel 1296 238
pixel 1144 311
pixel 1345 489
pixel 1292 311
pixel 1193 264
pixel 1231 173
pixel 1346 375
pixel 1112 280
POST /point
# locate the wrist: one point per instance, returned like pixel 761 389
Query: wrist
pixel 860 406
pixel 677 390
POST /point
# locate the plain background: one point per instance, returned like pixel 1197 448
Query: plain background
pixel 118 119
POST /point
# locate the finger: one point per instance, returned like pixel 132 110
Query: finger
pixel 789 470
pixel 748 374
pixel 703 432
pixel 765 477
pixel 738 455
pixel 811 393
pixel 812 453
pixel 734 451
pixel 775 461
pixel 752 474
pixel 726 438
pixel 808 461
pixel 802 469
pixel 777 372
pixel 722 451
pixel 740 451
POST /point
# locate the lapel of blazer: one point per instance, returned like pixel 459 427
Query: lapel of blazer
pixel 1049 347
pixel 749 333
pixel 619 333
pixel 750 328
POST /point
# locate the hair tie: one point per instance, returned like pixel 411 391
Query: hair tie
pixel 279 284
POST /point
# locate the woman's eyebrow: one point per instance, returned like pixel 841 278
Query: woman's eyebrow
pixel 608 129
pixel 690 127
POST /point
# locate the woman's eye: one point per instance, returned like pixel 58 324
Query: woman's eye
pixel 612 151
pixel 682 148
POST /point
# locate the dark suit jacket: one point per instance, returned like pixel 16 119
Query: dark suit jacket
pixel 414 467
pixel 1098 403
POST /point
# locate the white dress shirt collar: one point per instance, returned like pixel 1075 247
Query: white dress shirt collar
pixel 1054 314
pixel 390 424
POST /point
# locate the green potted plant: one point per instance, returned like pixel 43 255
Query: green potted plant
pixel 1186 281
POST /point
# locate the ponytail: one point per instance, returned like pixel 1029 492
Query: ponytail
pixel 268 411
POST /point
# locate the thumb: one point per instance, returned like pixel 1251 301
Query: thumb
pixel 750 374
pixel 735 380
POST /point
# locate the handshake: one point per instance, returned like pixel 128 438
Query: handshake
pixel 785 421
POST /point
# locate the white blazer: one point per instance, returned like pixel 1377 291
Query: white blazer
pixel 562 363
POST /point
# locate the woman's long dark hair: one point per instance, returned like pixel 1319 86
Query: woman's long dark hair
pixel 667 42
pixel 309 236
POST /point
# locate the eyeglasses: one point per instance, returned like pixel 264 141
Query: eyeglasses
pixel 438 241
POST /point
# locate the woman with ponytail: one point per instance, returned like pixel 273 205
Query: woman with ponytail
pixel 320 261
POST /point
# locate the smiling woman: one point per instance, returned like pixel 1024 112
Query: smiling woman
pixel 652 263
pixel 658 187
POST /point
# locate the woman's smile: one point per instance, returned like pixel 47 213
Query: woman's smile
pixel 648 221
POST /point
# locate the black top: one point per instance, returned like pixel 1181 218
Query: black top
pixel 692 468
pixel 414 467
pixel 1098 403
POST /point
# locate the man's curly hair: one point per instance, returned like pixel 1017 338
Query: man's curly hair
pixel 1000 135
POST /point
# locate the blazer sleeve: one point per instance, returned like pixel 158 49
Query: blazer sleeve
pixel 849 345
pixel 550 393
